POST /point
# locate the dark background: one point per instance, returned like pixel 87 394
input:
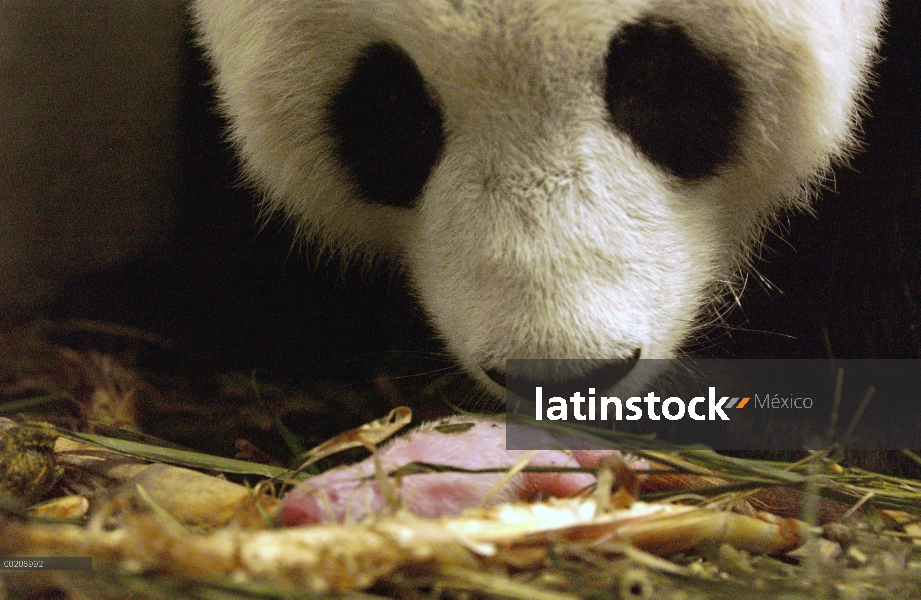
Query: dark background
pixel 849 278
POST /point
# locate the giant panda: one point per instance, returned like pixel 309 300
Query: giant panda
pixel 555 179
pixel 95 101
pixel 580 179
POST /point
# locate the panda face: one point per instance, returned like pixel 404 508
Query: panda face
pixel 560 179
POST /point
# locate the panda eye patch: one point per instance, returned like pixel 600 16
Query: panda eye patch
pixel 680 105
pixel 386 127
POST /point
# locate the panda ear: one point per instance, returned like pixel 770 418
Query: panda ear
pixel 386 127
pixel 680 105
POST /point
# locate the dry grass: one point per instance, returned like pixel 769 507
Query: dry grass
pixel 175 530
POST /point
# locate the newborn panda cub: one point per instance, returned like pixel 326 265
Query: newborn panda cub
pixel 560 179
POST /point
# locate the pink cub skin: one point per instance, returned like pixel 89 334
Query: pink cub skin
pixel 340 495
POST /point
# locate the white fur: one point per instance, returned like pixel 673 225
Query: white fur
pixel 542 232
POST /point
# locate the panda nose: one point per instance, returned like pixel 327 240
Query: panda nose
pixel 604 376
pixel 497 375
